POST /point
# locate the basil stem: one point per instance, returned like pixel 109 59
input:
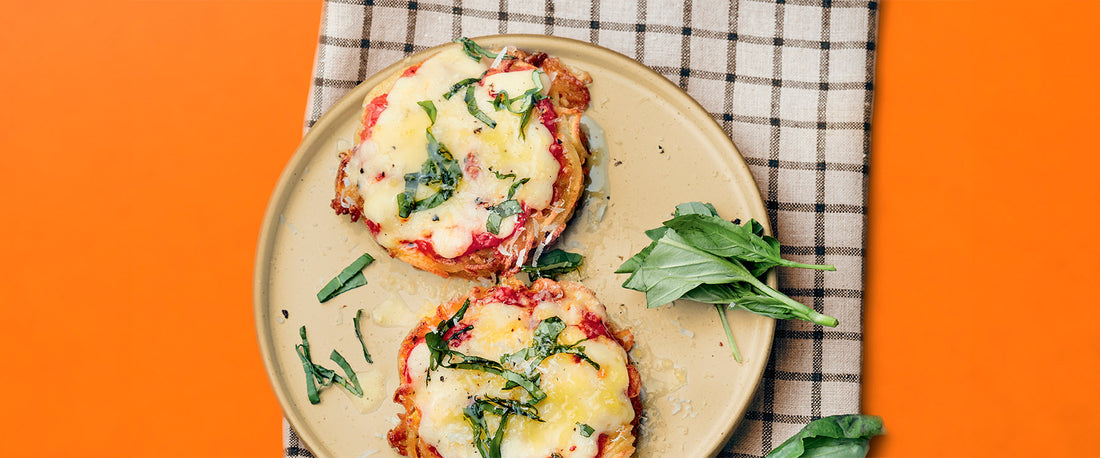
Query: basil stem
pixel 729 333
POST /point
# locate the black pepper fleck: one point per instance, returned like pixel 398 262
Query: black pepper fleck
pixel 435 217
pixel 477 131
pixel 618 163
pixel 661 148
pixel 286 314
pixel 361 171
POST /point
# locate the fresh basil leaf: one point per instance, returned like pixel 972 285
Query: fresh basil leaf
pixel 674 267
pixel 695 208
pixel 553 263
pixel 475 111
pixel 723 238
pixel 349 278
pixel 836 436
pixel 502 176
pixel 585 430
pixel 429 107
pixel 359 335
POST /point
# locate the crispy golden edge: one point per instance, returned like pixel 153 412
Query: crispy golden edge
pixel 404 437
pixel 541 228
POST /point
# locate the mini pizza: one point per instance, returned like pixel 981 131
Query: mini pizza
pixel 469 160
pixel 512 371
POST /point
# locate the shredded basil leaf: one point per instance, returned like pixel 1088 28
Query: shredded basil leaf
pixel 554 263
pixel 318 377
pixel 500 176
pixel 475 111
pixel 349 278
pixel 475 51
pixel 354 387
pixel 498 212
pixel 458 87
pixel 428 107
pixel 545 343
pixel 586 430
pixel 440 172
pixel 359 335
pixel 307 362
pixel 515 186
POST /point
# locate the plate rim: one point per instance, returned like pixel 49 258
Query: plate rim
pixel 266 239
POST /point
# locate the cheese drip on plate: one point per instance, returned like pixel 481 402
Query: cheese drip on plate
pixel 398 145
pixel 577 393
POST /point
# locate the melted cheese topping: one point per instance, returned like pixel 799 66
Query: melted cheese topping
pixel 576 391
pixel 398 145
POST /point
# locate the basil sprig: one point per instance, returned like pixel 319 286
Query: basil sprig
pixel 348 279
pixel 553 263
pixel 846 436
pixel 699 256
pixel 440 172
pixel 475 51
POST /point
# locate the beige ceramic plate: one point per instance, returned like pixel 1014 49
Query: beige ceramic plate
pixel 662 149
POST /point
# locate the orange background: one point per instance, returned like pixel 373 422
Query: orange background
pixel 140 142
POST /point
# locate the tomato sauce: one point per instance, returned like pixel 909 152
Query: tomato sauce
pixel 371 113
pixel 593 326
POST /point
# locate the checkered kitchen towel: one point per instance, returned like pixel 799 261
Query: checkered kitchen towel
pixel 790 82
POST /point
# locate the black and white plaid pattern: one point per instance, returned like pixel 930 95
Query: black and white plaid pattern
pixel 789 80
